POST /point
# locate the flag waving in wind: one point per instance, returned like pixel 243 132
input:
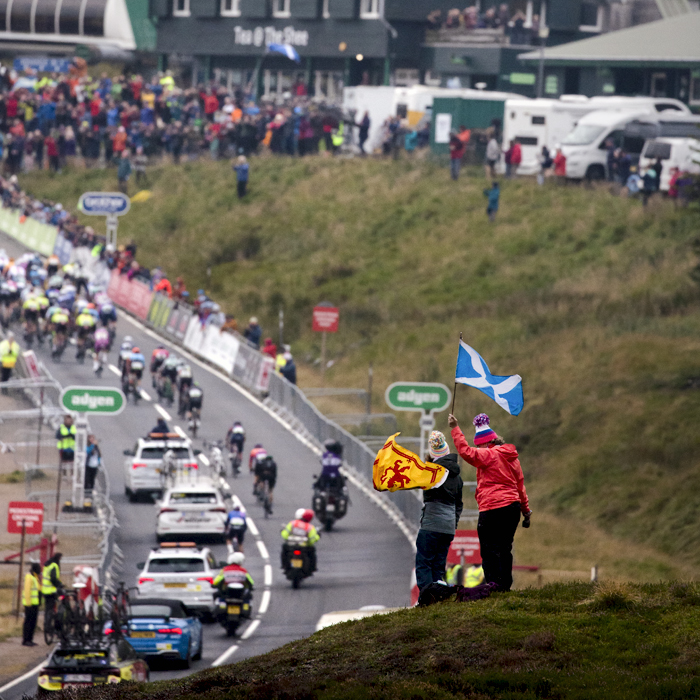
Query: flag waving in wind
pixel 507 392
pixel 286 50
pixel 398 469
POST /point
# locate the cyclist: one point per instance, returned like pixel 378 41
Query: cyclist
pixel 102 340
pixel 266 471
pixel 184 382
pixel 236 526
pixel 59 324
pixel 167 377
pixel 108 317
pixel 258 451
pixel 301 527
pixel 236 437
pixel 134 365
pixel 125 350
pixel 30 312
pixel 85 323
pixel 158 357
pixel 194 400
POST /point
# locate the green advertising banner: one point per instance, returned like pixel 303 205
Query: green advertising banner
pixel 32 233
pixel 159 313
pixel 91 399
pixel 418 396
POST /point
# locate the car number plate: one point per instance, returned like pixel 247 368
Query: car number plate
pixel 234 609
pixel 77 678
pixel 297 563
pixel 174 585
pixel 164 647
pixel 330 507
pixel 143 635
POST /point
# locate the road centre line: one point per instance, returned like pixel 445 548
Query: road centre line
pixel 229 652
pixel 114 369
pixel 264 603
pixel 253 527
pixel 163 412
pixel 180 431
pixel 205 459
pixel 263 550
pixel 251 629
pixel 268 575
pixel 144 395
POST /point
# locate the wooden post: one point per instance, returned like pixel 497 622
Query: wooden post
pixel 323 357
pixel 19 577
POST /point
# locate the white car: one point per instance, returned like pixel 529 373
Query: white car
pixel 191 509
pixel 142 465
pixel 181 571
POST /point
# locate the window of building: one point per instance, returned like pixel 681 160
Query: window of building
pixel 658 85
pixel 230 8
pixel 369 9
pixel 695 87
pixel 326 9
pixel 281 8
pixel 591 18
pixel 94 18
pixel 69 19
pixel 45 16
pixel 20 17
pixel 181 8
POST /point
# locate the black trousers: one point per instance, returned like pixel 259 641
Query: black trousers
pixel 496 531
pixel 31 615
pixel 90 474
pixel 241 187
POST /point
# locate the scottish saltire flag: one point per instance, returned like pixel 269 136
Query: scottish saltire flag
pixel 286 50
pixel 507 392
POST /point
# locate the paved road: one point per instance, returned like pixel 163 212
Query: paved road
pixel 366 560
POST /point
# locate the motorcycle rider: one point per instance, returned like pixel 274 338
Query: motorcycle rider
pixel 236 526
pixel 234 572
pixel 331 461
pixel 301 527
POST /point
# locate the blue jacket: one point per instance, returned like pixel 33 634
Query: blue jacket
pixel 242 172
pixel 493 194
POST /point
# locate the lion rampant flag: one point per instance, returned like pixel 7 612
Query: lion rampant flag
pixel 398 469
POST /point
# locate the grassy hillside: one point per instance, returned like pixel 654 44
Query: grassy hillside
pixel 588 296
pixel 562 642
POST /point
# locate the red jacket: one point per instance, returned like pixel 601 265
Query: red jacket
pixel 499 477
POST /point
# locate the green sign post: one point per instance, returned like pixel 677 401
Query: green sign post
pixel 426 397
pixel 95 400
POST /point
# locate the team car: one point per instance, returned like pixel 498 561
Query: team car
pixel 180 571
pixel 100 662
pixel 165 628
pixel 191 509
pixel 143 465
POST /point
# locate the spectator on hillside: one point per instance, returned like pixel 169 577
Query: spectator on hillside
pixel 546 164
pixel 179 289
pixel 140 162
pixel 513 158
pixel 289 371
pixel 242 172
pixel 560 166
pixel 124 172
pixel 253 332
pixel 269 348
pixel 456 154
pixel 493 195
pixel 493 155
pixel 363 133
pixel 52 152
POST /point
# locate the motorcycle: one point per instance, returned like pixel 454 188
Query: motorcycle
pixel 296 560
pixel 330 504
pixel 233 608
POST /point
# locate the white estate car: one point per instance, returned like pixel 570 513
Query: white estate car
pixel 181 571
pixel 142 465
pixel 191 509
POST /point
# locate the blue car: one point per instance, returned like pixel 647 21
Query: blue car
pixel 165 628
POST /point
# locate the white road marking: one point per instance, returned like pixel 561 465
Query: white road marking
pixel 268 575
pixel 229 652
pixel 264 603
pixel 251 628
pixel 179 431
pixel 263 549
pixel 114 369
pixel 144 395
pixel 205 460
pixel 72 341
pixel 163 412
pixel 252 527
pixel 24 677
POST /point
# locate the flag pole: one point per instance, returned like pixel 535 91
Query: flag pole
pixel 454 393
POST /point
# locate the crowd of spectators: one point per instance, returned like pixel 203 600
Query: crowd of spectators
pixel 72 117
pixel 470 18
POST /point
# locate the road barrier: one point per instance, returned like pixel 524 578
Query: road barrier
pixel 30 232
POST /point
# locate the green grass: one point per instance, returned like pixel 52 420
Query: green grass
pixel 588 296
pixel 574 641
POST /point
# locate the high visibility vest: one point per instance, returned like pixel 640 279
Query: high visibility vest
pixel 9 353
pixel 280 363
pixel 47 588
pixel 31 590
pixel 67 441
pixel 339 136
pixel 475 576
pixel 453 575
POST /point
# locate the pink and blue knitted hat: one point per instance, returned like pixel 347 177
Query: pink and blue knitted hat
pixel 437 445
pixel 483 433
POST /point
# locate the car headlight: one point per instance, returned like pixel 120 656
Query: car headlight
pixel 43 680
pixel 114 679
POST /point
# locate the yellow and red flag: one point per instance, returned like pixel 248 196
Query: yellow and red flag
pixel 398 469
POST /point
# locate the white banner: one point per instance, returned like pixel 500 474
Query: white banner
pixel 219 348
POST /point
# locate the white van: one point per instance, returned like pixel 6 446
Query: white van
pixel 674 153
pixel 547 122
pixel 585 147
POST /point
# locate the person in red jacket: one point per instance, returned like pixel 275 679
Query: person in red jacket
pixel 269 348
pixel 500 495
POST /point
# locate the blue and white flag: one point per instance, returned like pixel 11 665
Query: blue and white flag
pixel 507 392
pixel 286 50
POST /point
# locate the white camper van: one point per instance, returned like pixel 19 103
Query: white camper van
pixel 585 147
pixel 674 153
pixel 547 122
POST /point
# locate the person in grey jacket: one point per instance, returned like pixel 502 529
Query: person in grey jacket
pixel 441 512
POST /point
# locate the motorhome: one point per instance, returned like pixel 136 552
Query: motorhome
pixel 681 153
pixel 586 146
pixel 547 122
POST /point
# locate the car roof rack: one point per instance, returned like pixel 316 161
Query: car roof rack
pixel 176 545
pixel 164 436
